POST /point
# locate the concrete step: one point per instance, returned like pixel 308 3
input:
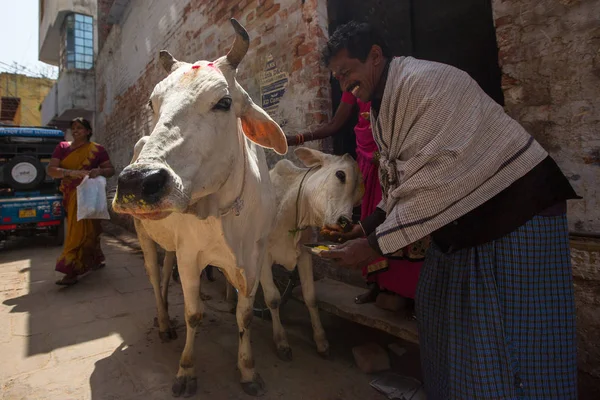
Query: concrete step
pixel 338 298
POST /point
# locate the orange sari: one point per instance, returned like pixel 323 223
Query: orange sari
pixel 81 251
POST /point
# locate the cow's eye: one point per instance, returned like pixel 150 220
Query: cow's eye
pixel 224 104
pixel 341 175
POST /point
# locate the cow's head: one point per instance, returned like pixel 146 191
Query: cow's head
pixel 333 189
pixel 199 113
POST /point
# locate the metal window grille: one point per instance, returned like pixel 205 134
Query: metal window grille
pixel 77 42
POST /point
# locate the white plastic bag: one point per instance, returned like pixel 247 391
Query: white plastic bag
pixel 91 199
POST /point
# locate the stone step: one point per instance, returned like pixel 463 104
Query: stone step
pixel 338 298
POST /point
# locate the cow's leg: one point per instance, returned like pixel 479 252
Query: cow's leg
pixel 168 263
pixel 167 269
pixel 230 296
pixel 305 269
pixel 151 264
pixel 252 383
pixel 273 299
pixel 185 383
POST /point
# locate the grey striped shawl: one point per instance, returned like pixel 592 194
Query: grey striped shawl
pixel 446 148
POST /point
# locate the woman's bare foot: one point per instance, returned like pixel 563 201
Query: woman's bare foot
pixel 368 297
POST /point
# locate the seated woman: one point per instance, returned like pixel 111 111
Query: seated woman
pixel 71 162
pixel 395 275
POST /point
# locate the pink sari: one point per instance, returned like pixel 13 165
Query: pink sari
pixel 396 275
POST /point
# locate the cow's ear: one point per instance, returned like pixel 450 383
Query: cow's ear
pixel 310 157
pixel 168 62
pixel 259 127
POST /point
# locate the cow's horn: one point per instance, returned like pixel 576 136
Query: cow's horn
pixel 168 62
pixel 240 44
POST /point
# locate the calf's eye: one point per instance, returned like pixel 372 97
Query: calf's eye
pixel 341 175
pixel 224 104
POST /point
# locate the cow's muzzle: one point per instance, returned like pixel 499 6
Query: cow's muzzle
pixel 149 185
pixel 143 191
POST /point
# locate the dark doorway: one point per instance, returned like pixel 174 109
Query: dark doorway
pixel 460 33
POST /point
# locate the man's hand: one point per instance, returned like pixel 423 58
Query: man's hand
pixel 354 254
pixel 337 234
pixel 95 173
pixel 292 140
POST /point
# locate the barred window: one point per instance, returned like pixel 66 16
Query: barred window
pixel 77 44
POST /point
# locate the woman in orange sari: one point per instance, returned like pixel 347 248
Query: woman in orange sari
pixel 71 162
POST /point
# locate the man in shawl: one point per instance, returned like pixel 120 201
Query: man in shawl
pixel 495 302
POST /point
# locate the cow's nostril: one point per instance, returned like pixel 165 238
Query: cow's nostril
pixel 154 182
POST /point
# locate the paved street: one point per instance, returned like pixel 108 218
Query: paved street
pixel 96 340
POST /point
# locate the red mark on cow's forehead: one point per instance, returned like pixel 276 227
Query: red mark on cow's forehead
pixel 196 66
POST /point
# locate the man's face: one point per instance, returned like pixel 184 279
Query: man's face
pixel 359 78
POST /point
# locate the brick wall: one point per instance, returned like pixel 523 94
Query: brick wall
pixel 127 68
pixel 103 25
pixel 548 53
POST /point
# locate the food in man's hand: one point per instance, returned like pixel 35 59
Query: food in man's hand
pixel 329 230
pixel 320 248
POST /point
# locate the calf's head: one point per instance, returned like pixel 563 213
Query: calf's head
pixel 333 188
pixel 200 112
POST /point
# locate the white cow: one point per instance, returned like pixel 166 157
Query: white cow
pixel 324 193
pixel 200 175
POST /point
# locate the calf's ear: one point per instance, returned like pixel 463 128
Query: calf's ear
pixel 310 157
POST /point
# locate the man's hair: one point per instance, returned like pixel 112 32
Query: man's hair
pixel 357 38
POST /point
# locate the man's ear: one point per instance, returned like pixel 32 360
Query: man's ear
pixel 376 54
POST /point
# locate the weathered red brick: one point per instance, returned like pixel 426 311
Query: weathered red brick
pixel 263 6
pixel 507 19
pixel 297 65
pixel 304 49
pixel 256 41
pixel 371 358
pixel 283 14
pixel 270 12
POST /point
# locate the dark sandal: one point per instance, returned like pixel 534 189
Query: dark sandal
pixel 67 282
pixel 99 266
pixel 368 297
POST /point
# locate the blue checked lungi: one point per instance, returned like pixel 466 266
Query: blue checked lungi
pixel 497 321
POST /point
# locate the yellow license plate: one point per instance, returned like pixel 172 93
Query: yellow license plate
pixel 27 213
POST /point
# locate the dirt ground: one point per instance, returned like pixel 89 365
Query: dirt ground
pixel 96 340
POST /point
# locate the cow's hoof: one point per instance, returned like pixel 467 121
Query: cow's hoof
pixel 205 297
pixel 284 353
pixel 325 354
pixel 185 386
pixel 156 322
pixel 169 335
pixel 254 388
pixel 210 273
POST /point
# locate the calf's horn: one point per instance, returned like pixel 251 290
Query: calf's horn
pixel 240 44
